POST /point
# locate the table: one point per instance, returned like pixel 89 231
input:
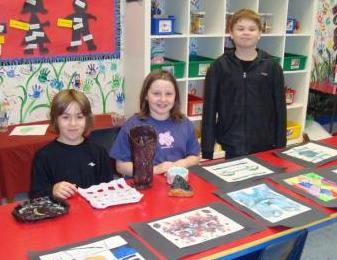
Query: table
pixel 84 222
pixel 17 153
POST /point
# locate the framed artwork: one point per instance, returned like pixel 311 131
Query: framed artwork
pixel 270 206
pixel 195 230
pixel 311 154
pixel 52 31
pixel 121 245
pixel 319 185
pixel 235 171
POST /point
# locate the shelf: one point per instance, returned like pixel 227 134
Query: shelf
pixel 195 118
pixel 295 71
pixel 295 106
pixel 295 141
pixel 169 36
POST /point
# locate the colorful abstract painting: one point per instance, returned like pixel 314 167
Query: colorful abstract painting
pixel 267 203
pixel 195 227
pixel 316 185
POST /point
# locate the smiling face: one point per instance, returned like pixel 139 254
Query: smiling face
pixel 161 97
pixel 245 34
pixel 71 124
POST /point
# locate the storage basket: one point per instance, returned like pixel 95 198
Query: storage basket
pixel 162 25
pixel 198 66
pixel 293 130
pixel 294 61
pixel 195 104
pixel 176 67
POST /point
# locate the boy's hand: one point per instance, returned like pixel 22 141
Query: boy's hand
pixel 64 190
pixel 162 167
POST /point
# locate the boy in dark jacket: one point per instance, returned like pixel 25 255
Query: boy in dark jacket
pixel 244 102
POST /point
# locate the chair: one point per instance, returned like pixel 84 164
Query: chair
pixel 289 249
pixel 104 136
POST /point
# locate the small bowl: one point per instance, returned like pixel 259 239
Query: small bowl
pixel 175 170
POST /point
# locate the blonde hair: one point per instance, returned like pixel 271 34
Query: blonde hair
pixel 61 102
pixel 245 14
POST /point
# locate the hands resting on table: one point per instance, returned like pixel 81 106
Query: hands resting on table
pixel 64 190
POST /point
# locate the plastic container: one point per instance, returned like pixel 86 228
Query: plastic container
pixel 162 25
pixel 176 67
pixel 294 61
pixel 198 66
pixel 266 20
pixel 293 130
pixel 194 105
pixel 198 22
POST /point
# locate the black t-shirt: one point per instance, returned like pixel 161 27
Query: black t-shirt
pixel 85 164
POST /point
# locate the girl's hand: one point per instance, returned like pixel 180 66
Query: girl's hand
pixel 64 190
pixel 162 167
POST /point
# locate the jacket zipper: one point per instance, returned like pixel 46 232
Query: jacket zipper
pixel 244 76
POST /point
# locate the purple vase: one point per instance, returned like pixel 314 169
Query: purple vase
pixel 143 140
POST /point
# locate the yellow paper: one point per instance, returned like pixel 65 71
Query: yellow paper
pixel 64 23
pixel 2 39
pixel 18 25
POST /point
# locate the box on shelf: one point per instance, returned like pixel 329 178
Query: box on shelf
pixel 195 104
pixel 176 67
pixel 162 25
pixel 198 66
pixel 291 25
pixel 293 130
pixel 294 61
pixel 290 95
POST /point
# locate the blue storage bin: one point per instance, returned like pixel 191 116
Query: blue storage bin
pixel 162 25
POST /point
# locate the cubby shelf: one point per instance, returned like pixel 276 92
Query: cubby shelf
pixel 277 42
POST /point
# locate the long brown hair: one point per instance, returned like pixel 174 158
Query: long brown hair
pixel 61 102
pixel 144 112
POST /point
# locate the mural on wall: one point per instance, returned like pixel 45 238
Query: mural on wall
pixel 325 44
pixel 26 90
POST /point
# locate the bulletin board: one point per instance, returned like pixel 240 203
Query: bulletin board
pixel 49 30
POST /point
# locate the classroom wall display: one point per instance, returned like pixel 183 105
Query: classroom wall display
pixel 325 44
pixel 235 171
pixel 26 90
pixel 271 207
pixel 311 154
pixel 121 245
pixel 47 30
pixel 195 230
pixel 319 185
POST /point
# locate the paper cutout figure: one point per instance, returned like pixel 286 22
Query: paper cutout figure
pixel 80 27
pixel 35 37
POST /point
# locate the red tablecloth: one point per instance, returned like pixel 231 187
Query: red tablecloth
pixel 17 153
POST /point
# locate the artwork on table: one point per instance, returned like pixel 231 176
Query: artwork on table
pixel 121 245
pixel 234 171
pixel 270 206
pixel 319 185
pixel 195 230
pixel 311 154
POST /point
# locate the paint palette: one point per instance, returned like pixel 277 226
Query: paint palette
pixel 40 208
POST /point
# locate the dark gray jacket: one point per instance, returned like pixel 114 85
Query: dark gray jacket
pixel 244 111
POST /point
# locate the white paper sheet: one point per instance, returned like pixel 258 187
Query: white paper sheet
pixel 30 130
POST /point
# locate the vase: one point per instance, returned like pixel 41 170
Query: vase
pixel 143 140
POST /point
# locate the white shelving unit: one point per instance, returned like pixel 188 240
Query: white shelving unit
pixel 211 44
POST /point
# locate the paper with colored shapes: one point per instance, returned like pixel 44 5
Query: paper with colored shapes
pixel 316 185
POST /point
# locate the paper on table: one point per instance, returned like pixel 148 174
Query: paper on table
pixel 30 130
